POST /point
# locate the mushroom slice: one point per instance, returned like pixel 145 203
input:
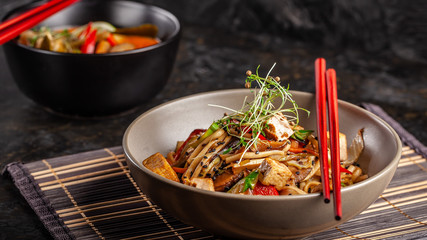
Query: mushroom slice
pixel 355 149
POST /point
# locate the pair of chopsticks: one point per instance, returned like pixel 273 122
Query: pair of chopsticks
pixel 326 94
pixel 15 26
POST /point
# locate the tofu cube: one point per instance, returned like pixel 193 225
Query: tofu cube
pixel 279 128
pixel 157 163
pixel 275 173
pixel 203 183
pixel 343 145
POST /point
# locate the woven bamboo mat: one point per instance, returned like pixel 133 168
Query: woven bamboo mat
pixel 92 195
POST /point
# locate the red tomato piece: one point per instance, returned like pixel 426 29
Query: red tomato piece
pixel 261 189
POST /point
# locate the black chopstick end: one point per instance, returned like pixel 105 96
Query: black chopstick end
pixel 338 218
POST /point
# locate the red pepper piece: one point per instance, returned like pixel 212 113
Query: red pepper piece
pixel 89 44
pixel 261 137
pixel 345 170
pixel 246 129
pixel 111 39
pixel 193 133
pixel 85 32
pixel 261 189
pixel 249 130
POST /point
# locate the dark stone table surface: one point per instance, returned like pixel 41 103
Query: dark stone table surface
pixel 378 58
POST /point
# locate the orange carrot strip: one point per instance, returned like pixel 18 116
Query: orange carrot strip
pixel 303 150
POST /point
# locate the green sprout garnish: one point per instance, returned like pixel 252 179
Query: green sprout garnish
pixel 253 117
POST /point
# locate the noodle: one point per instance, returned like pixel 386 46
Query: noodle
pixel 208 160
pixel 249 155
pixel 260 151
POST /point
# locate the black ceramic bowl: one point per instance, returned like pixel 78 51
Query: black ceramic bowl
pixel 96 84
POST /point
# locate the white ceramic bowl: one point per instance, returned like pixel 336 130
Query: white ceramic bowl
pixel 255 217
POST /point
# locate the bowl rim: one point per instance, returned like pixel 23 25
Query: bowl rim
pixel 175 34
pixel 130 158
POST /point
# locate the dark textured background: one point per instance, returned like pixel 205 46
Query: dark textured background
pixel 378 48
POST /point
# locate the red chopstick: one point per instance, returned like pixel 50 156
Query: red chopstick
pixel 15 26
pixel 326 93
pixel 320 75
pixel 332 97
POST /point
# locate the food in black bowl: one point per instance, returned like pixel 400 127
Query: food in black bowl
pixel 93 85
pixel 92 38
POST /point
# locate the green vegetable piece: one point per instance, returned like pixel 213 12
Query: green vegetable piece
pixel 64 33
pixel 148 30
pixel 214 126
pixel 101 25
pixel 33 40
pixel 251 180
pixel 228 150
pixel 301 134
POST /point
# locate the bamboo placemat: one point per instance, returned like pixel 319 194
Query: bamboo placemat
pixel 92 195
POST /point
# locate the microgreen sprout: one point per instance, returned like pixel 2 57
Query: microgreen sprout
pixel 253 117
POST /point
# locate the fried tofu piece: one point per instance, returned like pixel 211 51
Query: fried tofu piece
pixel 343 145
pixel 275 173
pixel 158 164
pixel 278 128
pixel 203 183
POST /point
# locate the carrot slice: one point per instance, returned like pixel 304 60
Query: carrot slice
pixel 179 170
pixel 103 47
pixel 137 41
